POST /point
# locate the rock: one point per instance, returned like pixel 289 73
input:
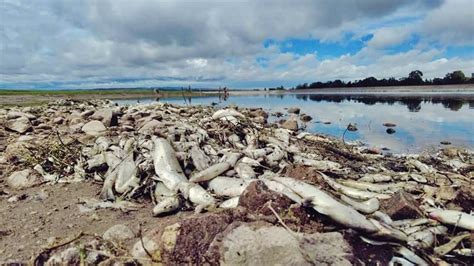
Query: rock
pixel 184 242
pixel 451 152
pixel 43 126
pixel 118 233
pixel 87 113
pixel 258 113
pixel 290 124
pixel 94 128
pixel 20 125
pixel 402 206
pixel 306 118
pixel 263 244
pixel 278 114
pixel 70 256
pixel 294 110
pixel 58 120
pixel 327 122
pixel 256 195
pixel 15 115
pixel 390 131
pixel 150 126
pixel 107 117
pixel 75 118
pixel 21 179
pixel 389 125
pixel 464 197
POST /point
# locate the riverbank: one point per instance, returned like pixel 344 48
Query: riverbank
pixel 88 181
pixel 35 97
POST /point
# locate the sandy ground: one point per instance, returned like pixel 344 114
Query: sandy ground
pixel 51 213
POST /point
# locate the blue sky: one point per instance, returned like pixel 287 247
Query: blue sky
pixel 244 44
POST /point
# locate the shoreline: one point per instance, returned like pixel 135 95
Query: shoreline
pixel 58 169
pixel 38 97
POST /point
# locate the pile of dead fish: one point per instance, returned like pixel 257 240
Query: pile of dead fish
pixel 201 158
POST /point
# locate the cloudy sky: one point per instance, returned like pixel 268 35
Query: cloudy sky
pixel 236 43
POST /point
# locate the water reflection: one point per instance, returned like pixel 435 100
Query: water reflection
pixel 413 103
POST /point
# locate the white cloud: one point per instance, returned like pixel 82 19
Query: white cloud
pixel 91 42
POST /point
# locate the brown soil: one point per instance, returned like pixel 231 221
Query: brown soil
pixel 27 224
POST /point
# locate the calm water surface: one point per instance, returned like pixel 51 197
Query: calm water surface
pixel 422 122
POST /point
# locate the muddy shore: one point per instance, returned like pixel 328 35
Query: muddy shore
pixel 89 182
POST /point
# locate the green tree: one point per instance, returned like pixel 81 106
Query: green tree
pixel 415 77
pixel 455 77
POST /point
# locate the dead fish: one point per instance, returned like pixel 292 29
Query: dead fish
pixel 46 176
pixel 274 157
pixel 369 206
pixel 448 247
pixel 230 203
pixel 126 175
pixel 166 165
pixel 256 153
pixel 352 192
pixel 200 160
pixel 282 189
pixel 425 238
pixel 227 186
pixel 410 255
pixel 399 261
pixel 467 252
pixel 110 176
pixel 245 171
pixel 375 178
pixel 122 205
pixel 197 195
pixel 283 135
pixel 210 172
pixel 386 231
pixel 327 205
pixel 96 161
pixel 373 187
pixel 321 165
pixel 231 158
pixel 423 168
pixel 166 205
pixel 456 218
pixel 227 113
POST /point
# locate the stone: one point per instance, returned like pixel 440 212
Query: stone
pixel 306 118
pixel 94 128
pixel 118 232
pixel 290 124
pixel 263 244
pixel 150 126
pixel 70 256
pixel 294 110
pixel 21 179
pixel 402 206
pixel 107 117
pixel 15 115
pixel 464 197
pixel 75 118
pixel 20 125
pixel 258 113
pixel 389 125
pixel 256 195
pixel 58 120
pixel 183 242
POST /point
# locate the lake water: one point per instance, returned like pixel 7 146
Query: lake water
pixel 422 121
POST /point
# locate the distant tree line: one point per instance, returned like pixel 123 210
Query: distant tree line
pixel 415 78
